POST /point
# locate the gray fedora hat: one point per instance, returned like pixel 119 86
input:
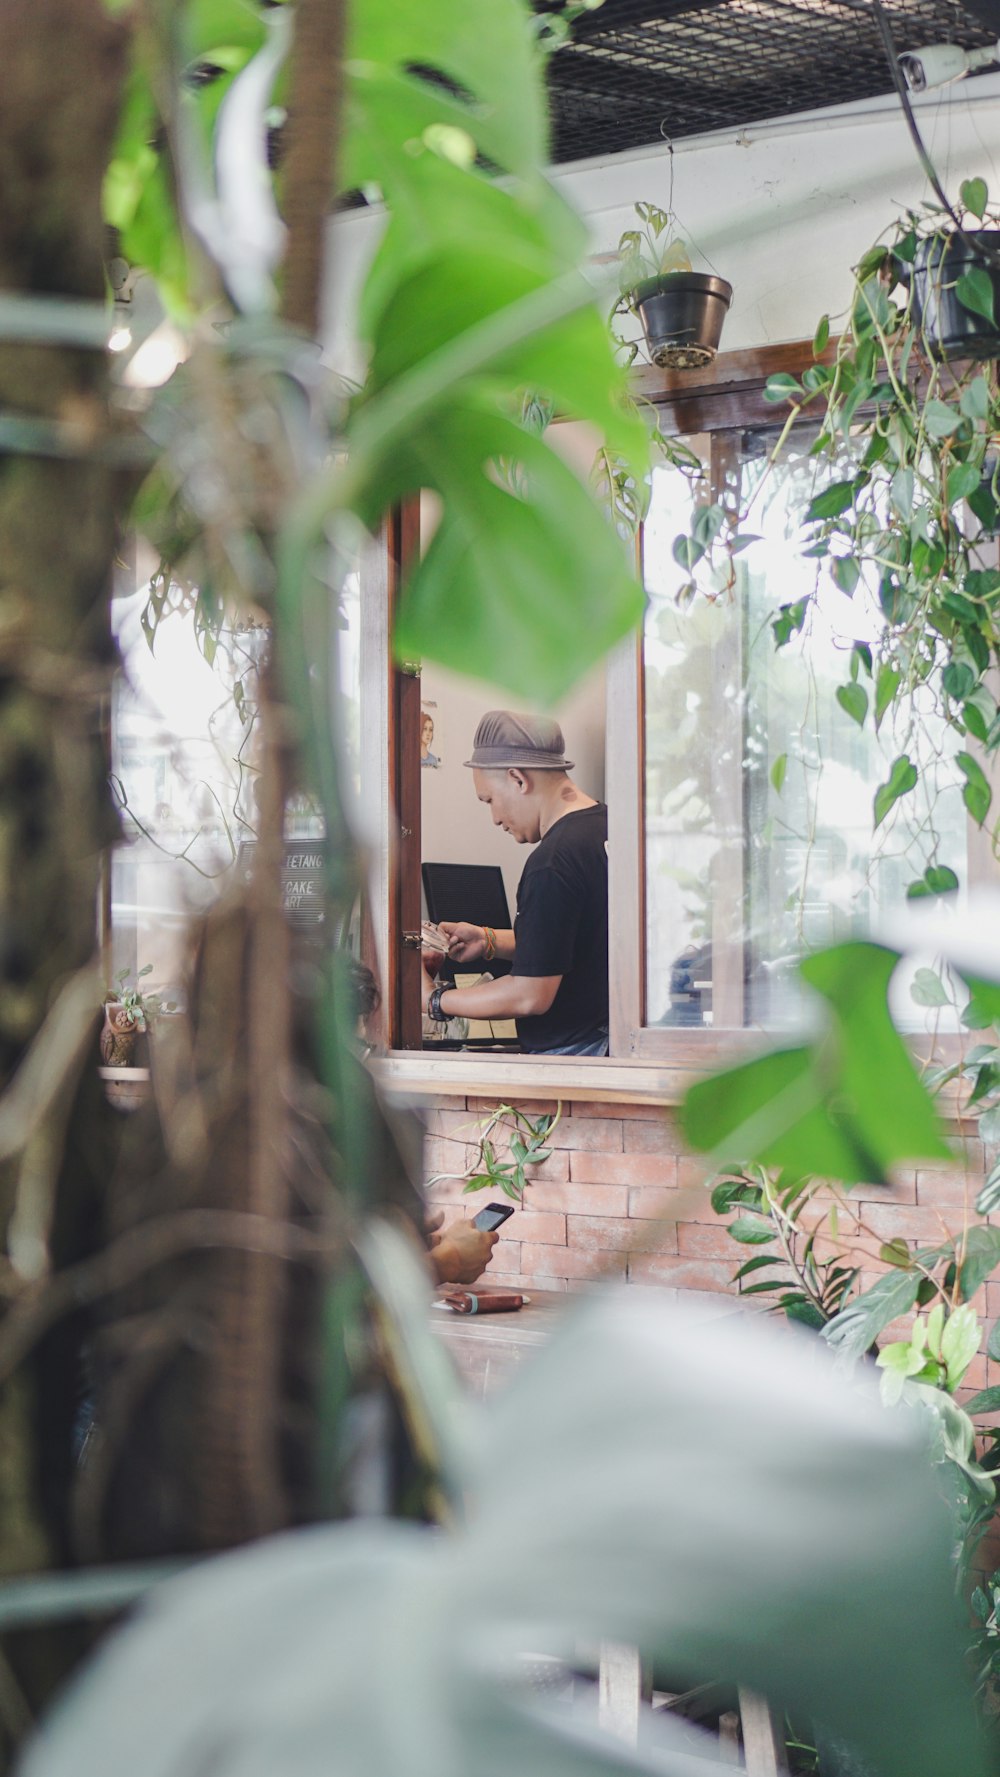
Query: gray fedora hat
pixel 533 743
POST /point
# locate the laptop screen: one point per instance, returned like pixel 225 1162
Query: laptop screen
pixel 474 892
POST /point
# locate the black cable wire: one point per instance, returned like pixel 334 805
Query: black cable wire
pixel 885 32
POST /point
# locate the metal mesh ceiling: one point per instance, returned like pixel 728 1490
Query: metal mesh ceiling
pixel 637 71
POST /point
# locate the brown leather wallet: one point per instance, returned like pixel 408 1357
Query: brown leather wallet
pixel 491 1302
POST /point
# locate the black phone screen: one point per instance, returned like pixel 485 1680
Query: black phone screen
pixel 491 1217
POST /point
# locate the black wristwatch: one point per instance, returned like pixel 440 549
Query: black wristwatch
pixel 434 1006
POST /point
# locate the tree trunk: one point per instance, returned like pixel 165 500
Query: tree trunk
pixel 60 82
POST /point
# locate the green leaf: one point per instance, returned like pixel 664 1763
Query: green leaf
pixel 974 290
pixel 730 1193
pixel 974 401
pixel 886 686
pixel 937 879
pixel 483 50
pixel 782 387
pixel 959 1343
pixel 752 1231
pixel 940 420
pixel 901 780
pixel 982 1256
pixel 789 621
pixel 974 196
pixel 976 792
pixel 830 502
pixel 855 1328
pixel 686 552
pixel 901 491
pixel 963 479
pixel 845 573
pixel 927 989
pixel 897 1253
pixel 821 337
pixel 853 699
pixel 552 590
pixel 987 1202
pixel 958 680
pixel 778 771
pixel 848 1107
pixel 756 1263
pixel 988 1399
pixel 805 1313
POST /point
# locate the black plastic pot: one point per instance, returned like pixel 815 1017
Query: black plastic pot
pixel 950 329
pixel 682 315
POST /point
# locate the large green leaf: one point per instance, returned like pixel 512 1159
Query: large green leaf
pixel 600 1508
pixel 854 1330
pixel 849 1106
pixel 547 594
pixel 484 48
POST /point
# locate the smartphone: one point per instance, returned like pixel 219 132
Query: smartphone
pixel 491 1217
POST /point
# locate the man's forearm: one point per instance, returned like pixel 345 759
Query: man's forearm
pixel 513 996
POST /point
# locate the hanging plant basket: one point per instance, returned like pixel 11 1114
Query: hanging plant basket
pixel 951 280
pixel 682 314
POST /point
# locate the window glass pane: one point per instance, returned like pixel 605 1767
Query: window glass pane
pixel 759 786
pixel 185 769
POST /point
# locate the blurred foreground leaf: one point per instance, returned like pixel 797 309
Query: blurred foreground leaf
pixel 601 1508
pixel 848 1106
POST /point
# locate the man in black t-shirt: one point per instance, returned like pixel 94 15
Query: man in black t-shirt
pixel 558 989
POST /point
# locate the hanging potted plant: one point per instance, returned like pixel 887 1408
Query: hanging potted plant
pixel 954 276
pixel 913 435
pixel 681 311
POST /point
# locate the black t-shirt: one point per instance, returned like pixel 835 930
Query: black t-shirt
pixel 562 929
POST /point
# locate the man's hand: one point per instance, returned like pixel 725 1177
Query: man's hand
pixel 466 943
pixel 461 1253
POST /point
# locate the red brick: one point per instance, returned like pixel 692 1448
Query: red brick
pixel 526 1282
pixel 443 1155
pixel 532 1107
pixel 680 1273
pixel 623 1169
pixel 506 1256
pixel 903 1189
pixel 699 1240
pixel 648 1203
pixel 585 1200
pixel 597 1134
pixel 948 1186
pixel 889 1223
pixel 655 1136
pixel 693 1170
pixel 538 1229
pixel 571 1262
pixel 456 1123
pixel 591 1233
pixel 448 1191
pixel 632 1113
pixel 967 1150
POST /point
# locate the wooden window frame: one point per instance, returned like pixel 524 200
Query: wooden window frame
pixel 645 1062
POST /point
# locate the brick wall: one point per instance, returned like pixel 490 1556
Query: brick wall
pixel 621 1199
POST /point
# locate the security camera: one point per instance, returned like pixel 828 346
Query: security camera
pixel 942 63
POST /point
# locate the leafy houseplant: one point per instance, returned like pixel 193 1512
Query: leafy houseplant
pixel 915 430
pixel 681 310
pixel 509 1142
pixel 128 1013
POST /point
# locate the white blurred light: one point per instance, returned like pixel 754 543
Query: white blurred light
pixel 121 339
pixel 157 358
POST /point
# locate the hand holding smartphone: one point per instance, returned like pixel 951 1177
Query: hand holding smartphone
pixel 491 1217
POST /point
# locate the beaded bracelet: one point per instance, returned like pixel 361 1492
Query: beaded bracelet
pixel 491 943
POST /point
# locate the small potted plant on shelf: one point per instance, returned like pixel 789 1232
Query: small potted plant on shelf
pixel 952 269
pixel 128 1013
pixel 681 311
